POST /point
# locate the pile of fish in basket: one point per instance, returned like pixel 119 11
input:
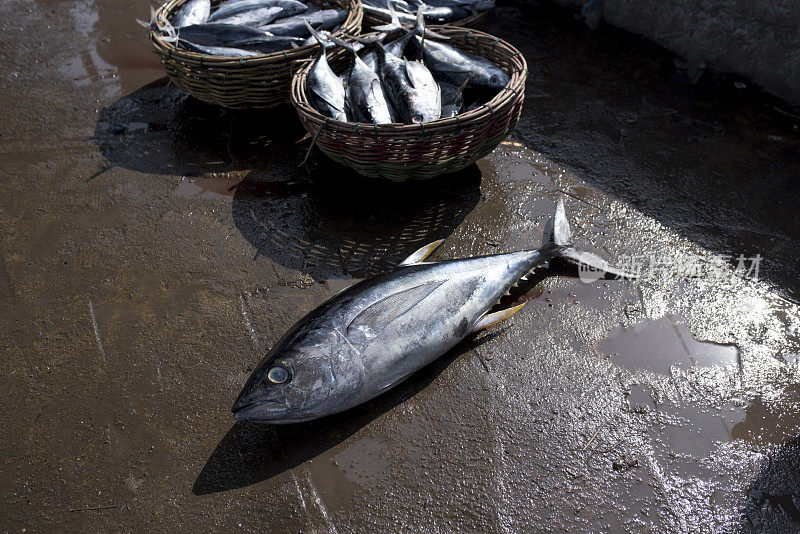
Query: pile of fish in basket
pixel 241 54
pixel 405 102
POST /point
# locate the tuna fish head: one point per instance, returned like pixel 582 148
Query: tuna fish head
pixel 296 380
pixel 485 73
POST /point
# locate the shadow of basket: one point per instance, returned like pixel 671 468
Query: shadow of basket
pixel 337 224
pixel 158 129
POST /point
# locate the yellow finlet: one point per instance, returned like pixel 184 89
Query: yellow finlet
pixel 493 318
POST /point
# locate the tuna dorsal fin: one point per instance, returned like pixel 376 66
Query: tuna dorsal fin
pixel 493 318
pixel 421 253
pixel 382 313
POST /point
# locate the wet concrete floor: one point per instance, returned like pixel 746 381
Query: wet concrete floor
pixel 154 247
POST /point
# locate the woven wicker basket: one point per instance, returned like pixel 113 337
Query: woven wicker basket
pixel 253 82
pixel 370 21
pixel 419 151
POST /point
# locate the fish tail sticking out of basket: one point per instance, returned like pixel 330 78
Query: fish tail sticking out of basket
pixel 382 14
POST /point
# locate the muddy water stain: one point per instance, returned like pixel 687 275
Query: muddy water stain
pixel 771 422
pixel 693 433
pixel 657 345
pixel 640 399
pixel 335 489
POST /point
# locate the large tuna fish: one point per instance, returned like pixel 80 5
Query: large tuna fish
pixel 374 334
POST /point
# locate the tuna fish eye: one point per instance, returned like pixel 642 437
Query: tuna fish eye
pixel 494 79
pixel 277 375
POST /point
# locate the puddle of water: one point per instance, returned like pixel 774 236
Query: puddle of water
pixel 364 462
pixel 658 345
pixel 640 399
pixel 771 422
pixel 334 486
pixel 524 172
pixel 694 435
pixel 694 431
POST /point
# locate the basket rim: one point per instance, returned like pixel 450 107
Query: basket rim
pixel 351 25
pixel 515 86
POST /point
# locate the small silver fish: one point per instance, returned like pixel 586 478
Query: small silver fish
pixel 458 67
pixel 218 50
pixel 255 17
pixel 325 88
pixel 411 89
pixel 364 98
pixel 235 36
pixel 374 334
pixel 325 19
pixel 192 12
pixel 235 7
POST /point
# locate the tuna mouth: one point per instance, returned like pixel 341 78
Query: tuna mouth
pixel 248 402
pixel 263 410
pixel 255 399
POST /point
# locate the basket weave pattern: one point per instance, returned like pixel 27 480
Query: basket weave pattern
pixel 253 82
pixel 418 151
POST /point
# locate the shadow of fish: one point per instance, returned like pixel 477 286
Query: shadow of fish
pixel 376 333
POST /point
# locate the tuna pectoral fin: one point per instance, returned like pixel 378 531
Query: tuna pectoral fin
pixel 379 315
pixel 493 318
pixel 422 253
pixel 326 98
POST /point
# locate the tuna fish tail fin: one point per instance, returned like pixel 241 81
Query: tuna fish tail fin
pixel 321 39
pixel 395 20
pixel 340 42
pixel 421 30
pixel 167 32
pixel 562 234
pixel 590 266
pixel 377 39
